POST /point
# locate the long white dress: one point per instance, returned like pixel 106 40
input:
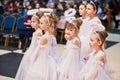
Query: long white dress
pixel 84 37
pixel 43 62
pixel 88 26
pixel 95 69
pixel 69 65
pixel 25 63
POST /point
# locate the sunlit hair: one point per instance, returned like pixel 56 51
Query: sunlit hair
pixel 76 23
pixel 52 21
pixel 40 14
pixel 101 35
pixel 36 17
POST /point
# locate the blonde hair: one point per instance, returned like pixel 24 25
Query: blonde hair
pixel 40 14
pixel 76 23
pixel 52 20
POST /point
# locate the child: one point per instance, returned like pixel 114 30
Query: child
pixel 92 24
pixel 43 62
pixel 70 62
pixel 83 33
pixel 95 68
pixel 25 63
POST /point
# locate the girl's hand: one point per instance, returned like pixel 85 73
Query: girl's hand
pixel 66 75
pixel 67 37
pixel 36 56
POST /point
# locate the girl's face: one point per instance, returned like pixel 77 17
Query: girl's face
pixel 70 33
pixel 37 6
pixel 94 41
pixel 82 10
pixel 90 10
pixel 43 23
pixel 34 22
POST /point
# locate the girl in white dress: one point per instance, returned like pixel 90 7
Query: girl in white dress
pixel 93 22
pixel 25 63
pixel 82 34
pixel 90 25
pixel 96 66
pixel 69 64
pixel 43 63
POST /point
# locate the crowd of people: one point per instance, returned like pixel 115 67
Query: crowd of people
pixel 108 12
pixel 84 56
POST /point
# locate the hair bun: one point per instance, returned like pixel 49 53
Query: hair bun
pixel 103 35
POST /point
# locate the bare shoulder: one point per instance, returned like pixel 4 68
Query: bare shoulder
pixel 43 41
pixel 76 42
pixel 97 20
pixel 100 59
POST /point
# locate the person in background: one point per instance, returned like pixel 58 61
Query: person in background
pixel 27 33
pixel 1 9
pixel 115 10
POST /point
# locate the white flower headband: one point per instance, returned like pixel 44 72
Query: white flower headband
pixel 93 4
pixel 70 12
pixel 32 11
pixel 46 11
pixel 71 22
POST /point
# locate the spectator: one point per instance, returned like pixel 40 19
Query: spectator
pixel 1 9
pixel 115 9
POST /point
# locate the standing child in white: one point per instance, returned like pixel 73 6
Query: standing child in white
pixel 43 62
pixel 69 65
pixel 25 63
pixel 96 67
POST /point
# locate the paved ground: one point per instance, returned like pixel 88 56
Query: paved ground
pixel 10 57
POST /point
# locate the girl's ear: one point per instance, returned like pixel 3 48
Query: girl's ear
pixel 77 31
pixel 95 12
pixel 100 43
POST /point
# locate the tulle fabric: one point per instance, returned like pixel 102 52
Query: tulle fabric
pixel 25 63
pixel 86 29
pixel 95 70
pixel 43 67
pixel 69 65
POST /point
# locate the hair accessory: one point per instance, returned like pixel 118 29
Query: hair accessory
pixel 32 11
pixel 84 2
pixel 36 16
pixel 97 35
pixel 74 25
pixel 70 14
pixel 46 11
pixel 93 4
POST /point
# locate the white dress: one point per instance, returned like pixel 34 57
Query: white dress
pixel 69 65
pixel 84 37
pixel 94 69
pixel 43 67
pixel 25 63
pixel 88 26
